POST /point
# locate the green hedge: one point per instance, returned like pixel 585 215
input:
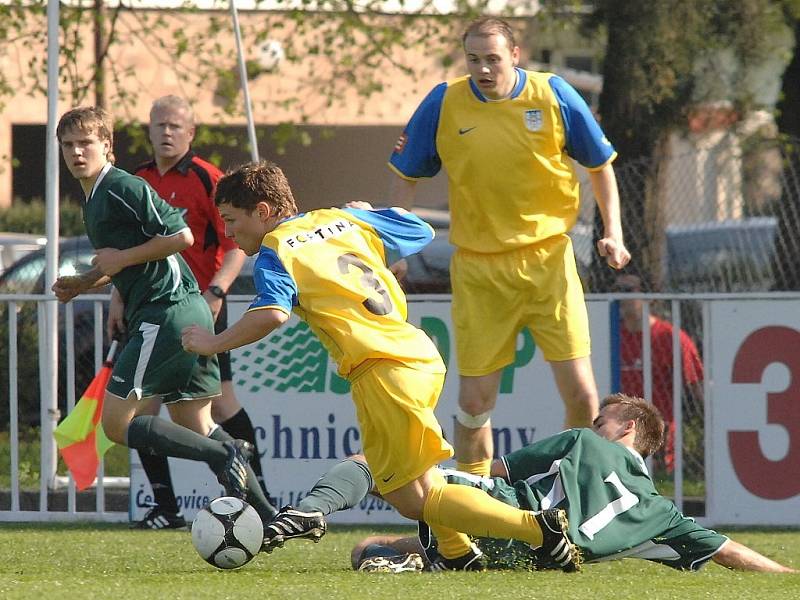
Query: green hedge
pixel 29 217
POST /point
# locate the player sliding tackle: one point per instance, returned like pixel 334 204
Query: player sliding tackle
pixel 598 476
pixel 329 266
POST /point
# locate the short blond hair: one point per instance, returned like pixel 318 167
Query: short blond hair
pixel 89 119
pixel 174 102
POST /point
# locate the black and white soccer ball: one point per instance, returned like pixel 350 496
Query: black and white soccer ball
pixel 269 56
pixel 227 533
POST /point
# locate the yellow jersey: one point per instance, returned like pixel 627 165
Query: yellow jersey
pixel 510 174
pixel 329 266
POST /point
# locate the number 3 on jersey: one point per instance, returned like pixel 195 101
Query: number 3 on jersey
pixel 368 280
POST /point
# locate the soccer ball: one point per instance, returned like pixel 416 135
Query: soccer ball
pixel 269 55
pixel 227 533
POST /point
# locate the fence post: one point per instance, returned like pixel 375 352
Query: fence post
pixel 48 389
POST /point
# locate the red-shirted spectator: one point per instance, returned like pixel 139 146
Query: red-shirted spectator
pixel 631 361
pixel 188 183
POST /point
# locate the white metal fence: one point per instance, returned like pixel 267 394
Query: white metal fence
pixel 21 370
pixel 21 317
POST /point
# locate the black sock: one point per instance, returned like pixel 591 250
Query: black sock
pixel 255 495
pixel 375 550
pixel 240 427
pixel 156 467
pixel 158 436
pixel 344 486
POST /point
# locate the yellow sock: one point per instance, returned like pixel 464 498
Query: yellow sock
pixel 481 467
pixel 450 543
pixel 473 511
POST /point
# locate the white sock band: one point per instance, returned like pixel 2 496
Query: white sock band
pixel 473 421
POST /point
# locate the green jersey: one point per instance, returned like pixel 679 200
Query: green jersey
pixel 123 211
pixel 612 504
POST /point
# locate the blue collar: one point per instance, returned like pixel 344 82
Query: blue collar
pixel 522 78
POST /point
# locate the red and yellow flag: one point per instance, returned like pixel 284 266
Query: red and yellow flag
pixel 80 437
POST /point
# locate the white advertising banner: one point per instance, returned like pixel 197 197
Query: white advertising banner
pixel 753 475
pixel 305 421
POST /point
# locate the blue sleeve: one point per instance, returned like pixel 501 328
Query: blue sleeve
pixel 586 142
pixel 402 234
pixel 415 152
pixel 274 286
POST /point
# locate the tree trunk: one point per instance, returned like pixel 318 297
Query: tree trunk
pixel 99 53
pixel 787 245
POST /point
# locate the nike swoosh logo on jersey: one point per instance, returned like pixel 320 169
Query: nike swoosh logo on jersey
pixel 387 479
pixel 464 130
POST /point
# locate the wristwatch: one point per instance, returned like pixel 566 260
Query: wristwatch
pixel 217 291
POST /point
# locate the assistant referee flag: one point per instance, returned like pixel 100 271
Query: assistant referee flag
pixel 80 437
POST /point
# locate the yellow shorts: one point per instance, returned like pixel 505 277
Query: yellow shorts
pixel 496 295
pixel 400 435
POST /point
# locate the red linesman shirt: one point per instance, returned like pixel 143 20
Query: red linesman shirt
pixel 189 186
pixel 632 371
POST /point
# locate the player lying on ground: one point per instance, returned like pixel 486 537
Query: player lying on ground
pixel 597 475
pixel 329 266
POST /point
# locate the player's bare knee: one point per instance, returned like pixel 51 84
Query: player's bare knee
pixel 225 406
pixel 409 500
pixel 114 429
pixel 410 510
pixel 477 395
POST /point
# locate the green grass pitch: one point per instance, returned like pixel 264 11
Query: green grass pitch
pixel 83 562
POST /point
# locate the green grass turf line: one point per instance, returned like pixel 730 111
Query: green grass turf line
pixel 111 562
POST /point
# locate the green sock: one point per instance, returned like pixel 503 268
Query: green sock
pixel 344 486
pixel 155 435
pixel 255 495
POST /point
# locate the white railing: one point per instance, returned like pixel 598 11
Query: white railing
pixel 14 509
pixel 50 485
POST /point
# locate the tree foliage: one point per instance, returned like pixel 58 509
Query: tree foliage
pixel 788 210
pixel 29 217
pixel 337 50
pixel 663 58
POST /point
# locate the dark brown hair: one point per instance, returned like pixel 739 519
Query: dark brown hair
pixel 649 422
pixel 486 26
pixel 89 119
pixel 245 186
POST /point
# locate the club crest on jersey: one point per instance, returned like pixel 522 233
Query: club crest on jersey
pixel 400 144
pixel 533 119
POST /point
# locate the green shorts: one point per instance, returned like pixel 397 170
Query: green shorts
pixel 154 363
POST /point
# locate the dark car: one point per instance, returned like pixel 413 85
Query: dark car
pixel 26 276
pixel 14 246
pixel 429 270
pixel 722 256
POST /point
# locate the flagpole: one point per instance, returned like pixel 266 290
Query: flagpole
pixel 251 130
